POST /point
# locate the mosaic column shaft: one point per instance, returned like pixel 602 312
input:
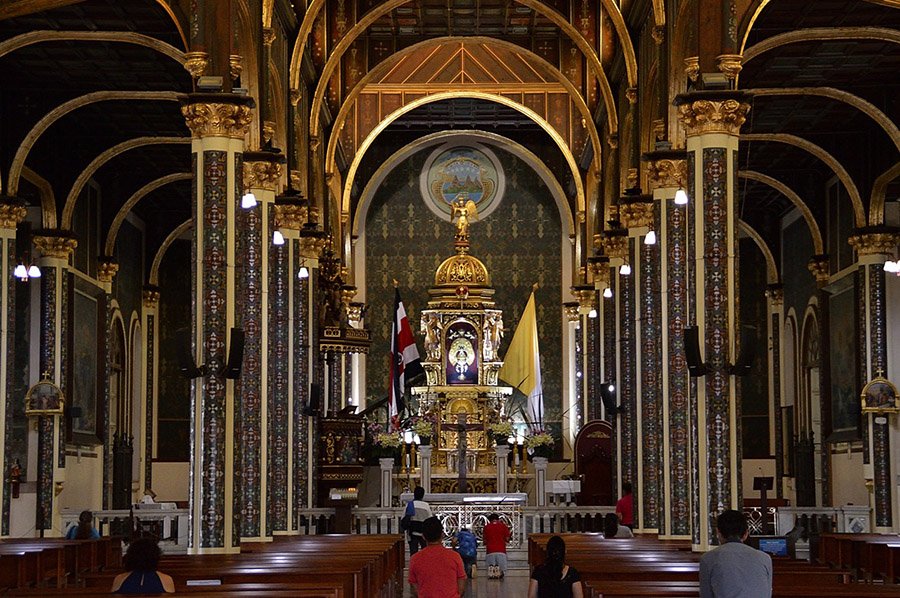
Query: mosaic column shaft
pixel 11 213
pixel 262 171
pixel 106 271
pixel 775 305
pixel 149 400
pixel 218 123
pixel 873 247
pixel 712 121
pixel 56 248
pixel 667 173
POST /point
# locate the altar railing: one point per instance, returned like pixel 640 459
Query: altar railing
pixel 854 519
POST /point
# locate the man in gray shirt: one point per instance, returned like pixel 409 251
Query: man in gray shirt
pixel 735 570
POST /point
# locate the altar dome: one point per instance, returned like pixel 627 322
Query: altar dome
pixel 462 269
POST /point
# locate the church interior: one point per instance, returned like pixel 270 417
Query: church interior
pixel 211 209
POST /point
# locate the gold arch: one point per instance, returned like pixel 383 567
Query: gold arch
pixel 132 201
pixel 859 213
pixel 309 19
pixel 659 13
pixel 820 33
pixel 378 70
pixel 842 96
pixel 879 189
pixel 164 247
pixel 48 198
pixel 96 163
pixel 166 7
pixel 268 9
pixel 814 231
pixel 434 139
pixel 756 12
pixel 54 115
pixel 370 17
pixel 771 267
pixel 127 37
pixel 560 142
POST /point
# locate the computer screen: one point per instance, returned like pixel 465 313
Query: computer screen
pixel 774 546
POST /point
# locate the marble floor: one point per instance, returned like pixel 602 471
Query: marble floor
pixel 514 585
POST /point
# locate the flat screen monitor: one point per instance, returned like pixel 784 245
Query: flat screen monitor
pixel 774 546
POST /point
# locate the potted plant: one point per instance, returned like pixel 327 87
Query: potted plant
pixel 540 443
pixel 423 427
pixel 387 445
pixel 501 431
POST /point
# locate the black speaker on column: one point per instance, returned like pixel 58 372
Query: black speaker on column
pixel 186 364
pixel 314 405
pixel 741 367
pixel 608 395
pixel 696 367
pixel 235 354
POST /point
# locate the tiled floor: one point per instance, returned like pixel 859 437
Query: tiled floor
pixel 514 585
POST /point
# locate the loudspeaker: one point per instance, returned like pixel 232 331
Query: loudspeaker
pixel 235 354
pixel 696 367
pixel 186 364
pixel 315 400
pixel 608 395
pixel 741 366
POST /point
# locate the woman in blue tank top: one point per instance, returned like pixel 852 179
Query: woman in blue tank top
pixel 141 560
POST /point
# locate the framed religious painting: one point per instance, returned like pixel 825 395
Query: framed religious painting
pixel 86 359
pixel 44 398
pixel 879 396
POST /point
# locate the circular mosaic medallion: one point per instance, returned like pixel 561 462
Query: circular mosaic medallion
pixel 455 168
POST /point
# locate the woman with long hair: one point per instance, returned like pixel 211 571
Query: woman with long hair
pixel 85 529
pixel 555 579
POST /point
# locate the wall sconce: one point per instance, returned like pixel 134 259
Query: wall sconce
pixel 607 293
pixel 277 238
pixel 248 201
pixel 650 239
pixel 303 272
pixel 592 313
pixel 625 270
pixel 681 197
pixel 889 266
pixel 23 272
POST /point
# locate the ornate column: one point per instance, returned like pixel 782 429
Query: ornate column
pixel 819 266
pixel 261 173
pixel 387 470
pixel 150 324
pixel 425 467
pixel 11 213
pixel 582 405
pixel 540 480
pixel 218 123
pixel 502 453
pixel 873 247
pixel 667 173
pixel 106 271
pixel 775 305
pixel 56 247
pixel 712 122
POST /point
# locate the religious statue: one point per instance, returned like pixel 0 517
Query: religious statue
pixel 463 210
pixel 462 355
pixel 491 335
pixel 431 326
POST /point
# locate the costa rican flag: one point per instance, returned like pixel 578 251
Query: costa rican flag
pixel 405 362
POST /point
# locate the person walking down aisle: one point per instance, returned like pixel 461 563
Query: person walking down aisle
pixel 435 571
pixel 496 535
pixel 735 570
pixel 625 507
pixel 555 579
pixel 418 511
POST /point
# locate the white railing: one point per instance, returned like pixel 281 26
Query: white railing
pixel 849 518
pixel 169 526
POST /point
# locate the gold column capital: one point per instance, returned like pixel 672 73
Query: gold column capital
pixel 586 296
pixel 55 244
pixel 874 242
pixel 311 247
pixel 217 115
pixel 570 309
pixel 196 63
pixel 268 36
pixel 729 65
pixel 150 297
pixel 293 215
pixel 615 245
pixel 666 169
pixel 12 212
pixel 235 65
pixel 296 179
pixel 818 265
pixel 261 173
pixel 692 67
pixel 775 294
pixel 636 214
pixel 704 112
pixel 599 269
pixel 268 131
pixel 106 270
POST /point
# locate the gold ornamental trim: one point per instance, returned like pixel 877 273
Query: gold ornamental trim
pixel 196 63
pixel 730 65
pixel 150 298
pixel 667 174
pixel 213 119
pixel 11 214
pixel 692 68
pixel 462 269
pixel 571 312
pixel 775 295
pixel 586 297
pixel 262 174
pixel 106 271
pixel 268 36
pixel 818 265
pixel 882 243
pixel 615 246
pixel 636 214
pixel 311 247
pixel 292 216
pixel 713 116
pixel 600 273
pixel 235 65
pixel 55 246
pixel 268 130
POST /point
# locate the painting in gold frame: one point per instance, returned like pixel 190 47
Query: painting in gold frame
pixel 44 398
pixel 879 396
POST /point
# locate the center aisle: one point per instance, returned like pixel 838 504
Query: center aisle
pixel 514 585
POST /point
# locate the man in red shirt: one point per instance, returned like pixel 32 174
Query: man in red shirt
pixel 625 506
pixel 496 535
pixel 435 571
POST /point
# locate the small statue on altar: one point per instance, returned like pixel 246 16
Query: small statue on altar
pixel 463 211
pixel 491 335
pixel 431 326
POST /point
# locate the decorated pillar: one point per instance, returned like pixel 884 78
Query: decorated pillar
pixel 218 123
pixel 149 400
pixel 584 315
pixel 666 174
pixel 775 310
pixel 261 173
pixel 56 248
pixel 106 271
pixel 873 247
pixel 387 478
pixel 11 213
pixel 540 480
pixel 712 121
pixel 502 454
pixel 820 268
pixel 425 467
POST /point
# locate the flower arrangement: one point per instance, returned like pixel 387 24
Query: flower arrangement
pixel 381 442
pixel 501 431
pixel 388 440
pixel 423 428
pixel 540 443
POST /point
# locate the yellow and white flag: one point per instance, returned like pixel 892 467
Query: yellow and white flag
pixel 522 364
